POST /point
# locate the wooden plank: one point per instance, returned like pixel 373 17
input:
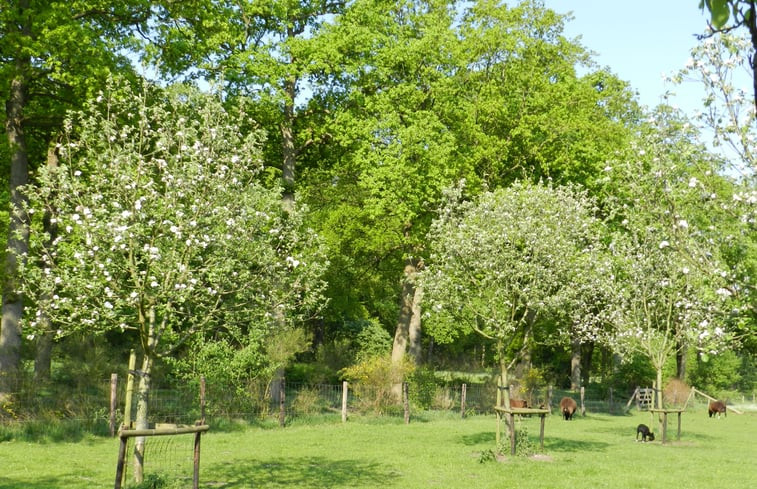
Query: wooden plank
pixel 713 399
pixel 521 410
pixel 179 430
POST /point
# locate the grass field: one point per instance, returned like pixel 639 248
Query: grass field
pixel 434 451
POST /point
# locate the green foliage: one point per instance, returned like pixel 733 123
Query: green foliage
pixel 487 456
pixel 637 370
pixel 372 340
pixel 720 11
pixel 223 363
pixel 373 378
pixel 312 373
pixel 531 382
pixel 156 481
pixel 720 372
pixel 307 402
pixel 423 387
pixel 524 446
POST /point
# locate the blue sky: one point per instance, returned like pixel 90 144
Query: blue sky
pixel 639 41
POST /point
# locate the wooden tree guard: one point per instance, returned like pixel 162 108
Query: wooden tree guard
pixel 200 427
pixel 664 412
pixel 113 397
pixel 510 420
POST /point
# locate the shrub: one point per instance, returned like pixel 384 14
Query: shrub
pixel 532 381
pixel 373 340
pixel 676 392
pixel 719 372
pixel 373 379
pixel 422 387
pixel 307 402
pixel 636 371
pixel 311 374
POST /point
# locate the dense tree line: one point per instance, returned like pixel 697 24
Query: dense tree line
pixel 313 180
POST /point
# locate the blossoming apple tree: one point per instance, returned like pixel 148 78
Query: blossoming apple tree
pixel 722 66
pixel 513 256
pixel 675 290
pixel 164 231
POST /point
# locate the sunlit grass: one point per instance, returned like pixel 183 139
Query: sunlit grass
pixel 440 451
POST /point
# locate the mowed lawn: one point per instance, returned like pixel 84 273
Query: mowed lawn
pixel 433 451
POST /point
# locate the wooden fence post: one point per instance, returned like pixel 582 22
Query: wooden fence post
pixel 635 395
pixel 282 402
pixel 113 397
pixel 462 400
pixel 406 402
pixel 345 388
pixel 611 402
pixel 196 474
pixel 129 388
pixel 549 399
pixel 121 462
pixel 583 407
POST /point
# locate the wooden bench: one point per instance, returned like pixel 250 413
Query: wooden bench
pixel 510 420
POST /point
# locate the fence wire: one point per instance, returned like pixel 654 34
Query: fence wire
pixel 255 401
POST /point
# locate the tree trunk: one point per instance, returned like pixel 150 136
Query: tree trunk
pixel 43 358
pixel 414 328
pixel 141 420
pixel 288 147
pixel 575 364
pixel 402 332
pixel 143 393
pixel 681 354
pixel 18 229
pixel 658 392
pixel 587 357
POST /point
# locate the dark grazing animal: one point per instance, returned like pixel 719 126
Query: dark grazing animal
pixel 643 430
pixel 717 407
pixel 568 407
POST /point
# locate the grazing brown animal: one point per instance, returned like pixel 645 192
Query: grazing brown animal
pixel 717 407
pixel 643 430
pixel 568 407
pixel 518 403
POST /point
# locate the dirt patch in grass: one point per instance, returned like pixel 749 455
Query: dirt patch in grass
pixel 540 457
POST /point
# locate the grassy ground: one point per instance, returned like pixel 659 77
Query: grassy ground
pixel 439 451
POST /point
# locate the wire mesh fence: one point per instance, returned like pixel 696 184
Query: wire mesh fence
pixel 100 407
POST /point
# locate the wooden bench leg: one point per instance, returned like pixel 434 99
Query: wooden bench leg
pixel 541 434
pixel 678 435
pixel 664 426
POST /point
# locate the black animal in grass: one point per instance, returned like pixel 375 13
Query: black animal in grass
pixel 568 407
pixel 717 407
pixel 643 430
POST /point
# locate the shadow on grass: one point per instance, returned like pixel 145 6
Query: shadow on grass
pixel 301 472
pixel 552 444
pixel 45 483
pixel 479 438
